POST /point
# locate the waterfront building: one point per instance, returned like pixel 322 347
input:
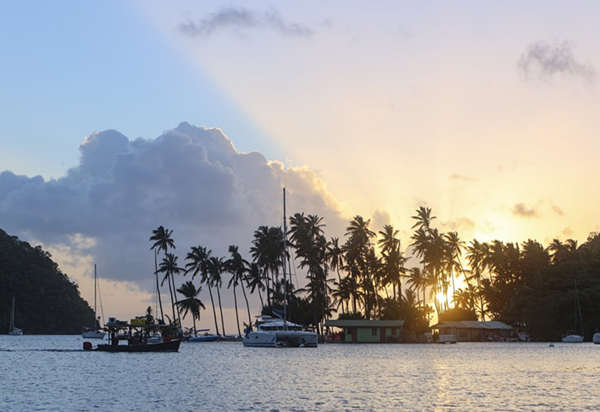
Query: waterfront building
pixel 476 331
pixel 365 331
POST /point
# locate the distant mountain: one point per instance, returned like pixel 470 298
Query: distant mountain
pixel 47 301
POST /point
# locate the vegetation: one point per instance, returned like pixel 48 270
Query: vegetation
pixel 546 291
pixel 47 301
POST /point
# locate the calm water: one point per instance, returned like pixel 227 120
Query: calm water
pixel 227 376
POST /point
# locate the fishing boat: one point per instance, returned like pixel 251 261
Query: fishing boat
pixel 12 330
pixel 93 332
pixel 205 337
pixel 140 336
pixel 279 332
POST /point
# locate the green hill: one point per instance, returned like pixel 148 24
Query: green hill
pixel 47 301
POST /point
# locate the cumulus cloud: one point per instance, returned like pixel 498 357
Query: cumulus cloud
pixel 521 210
pixel 460 224
pixel 242 18
pixel 549 60
pixel 190 179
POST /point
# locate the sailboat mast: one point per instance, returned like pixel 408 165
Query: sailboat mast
pixel 285 297
pixel 94 295
pixel 12 316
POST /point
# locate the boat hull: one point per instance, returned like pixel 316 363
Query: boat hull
pixel 287 339
pixel 15 332
pixel 171 346
pixel 572 339
pixel 205 338
pixel 93 334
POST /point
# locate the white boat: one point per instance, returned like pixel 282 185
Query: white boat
pixel 205 337
pixel 447 338
pixel 572 339
pixel 12 330
pixel 278 332
pixel 93 332
pixel 596 338
pixel 274 332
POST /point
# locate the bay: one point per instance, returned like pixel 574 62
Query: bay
pixel 52 373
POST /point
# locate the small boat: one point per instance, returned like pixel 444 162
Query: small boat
pixel 93 332
pixel 12 330
pixel 206 337
pixel 572 339
pixel 596 338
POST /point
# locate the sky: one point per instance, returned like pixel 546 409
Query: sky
pixel 194 114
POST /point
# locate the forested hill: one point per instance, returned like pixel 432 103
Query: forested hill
pixel 47 301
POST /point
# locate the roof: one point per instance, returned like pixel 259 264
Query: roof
pixel 472 324
pixel 364 323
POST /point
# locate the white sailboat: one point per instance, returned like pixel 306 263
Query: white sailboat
pixel 93 332
pixel 575 337
pixel 12 330
pixel 278 332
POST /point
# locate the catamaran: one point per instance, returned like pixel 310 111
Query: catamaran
pixel 279 332
pixel 93 332
pixel 12 330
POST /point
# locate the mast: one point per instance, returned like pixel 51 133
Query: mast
pixel 94 295
pixel 12 316
pixel 285 297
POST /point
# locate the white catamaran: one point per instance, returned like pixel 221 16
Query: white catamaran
pixel 278 332
pixel 93 332
pixel 12 330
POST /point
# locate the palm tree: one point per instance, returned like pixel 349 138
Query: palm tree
pixel 163 240
pixel 267 252
pixel 393 260
pixel 335 256
pixel 198 264
pixel 477 255
pixel 191 303
pixel 454 248
pixel 215 269
pixel 237 266
pixel 169 267
pixel 254 281
pixel 418 281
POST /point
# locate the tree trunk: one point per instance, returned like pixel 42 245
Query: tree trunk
pixel 171 295
pixel 247 306
pixel 212 302
pixel 194 320
pixel 162 317
pixel 237 319
pixel 262 304
pixel 221 310
pixel 175 296
pixel 268 288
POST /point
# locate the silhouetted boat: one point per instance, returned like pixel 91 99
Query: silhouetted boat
pixel 170 346
pixel 12 330
pixel 93 332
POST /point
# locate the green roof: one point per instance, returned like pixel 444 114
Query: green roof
pixel 364 323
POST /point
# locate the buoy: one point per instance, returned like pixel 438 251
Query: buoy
pixel 87 345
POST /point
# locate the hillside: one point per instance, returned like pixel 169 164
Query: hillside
pixel 47 301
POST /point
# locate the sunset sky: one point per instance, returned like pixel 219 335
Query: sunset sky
pixel 487 113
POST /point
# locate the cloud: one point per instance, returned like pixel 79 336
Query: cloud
pixel 379 219
pixel 521 210
pixel 460 224
pixel 242 18
pixel 567 231
pixel 456 176
pixel 558 210
pixel 190 179
pixel 548 60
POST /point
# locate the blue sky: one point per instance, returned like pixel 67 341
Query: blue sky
pixel 70 68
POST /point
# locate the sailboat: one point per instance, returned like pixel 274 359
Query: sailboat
pixel 93 332
pixel 279 332
pixel 11 328
pixel 575 337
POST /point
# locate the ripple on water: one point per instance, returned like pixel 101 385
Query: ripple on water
pixel 227 376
